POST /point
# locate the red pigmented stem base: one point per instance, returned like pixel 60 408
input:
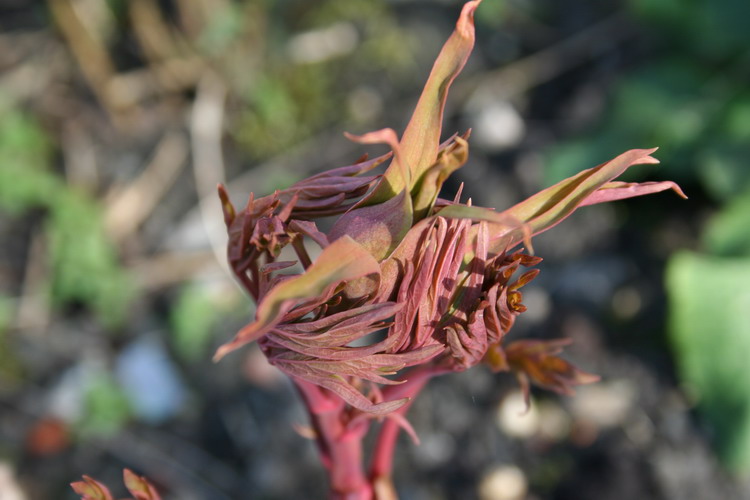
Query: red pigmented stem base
pixel 385 446
pixel 339 442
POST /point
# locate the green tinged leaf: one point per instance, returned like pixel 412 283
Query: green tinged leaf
pixel 139 486
pixel 342 260
pixel 378 228
pixel 428 187
pixel 11 369
pixel 710 334
pixel 550 206
pixel 91 489
pixel 421 139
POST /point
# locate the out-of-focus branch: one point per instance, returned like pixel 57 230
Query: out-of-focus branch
pixel 132 205
pixel 87 48
pixel 158 271
pixel 519 76
pixel 206 127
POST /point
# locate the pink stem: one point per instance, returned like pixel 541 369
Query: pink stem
pixel 340 445
pixel 382 457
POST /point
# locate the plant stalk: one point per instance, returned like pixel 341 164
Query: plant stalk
pixel 339 443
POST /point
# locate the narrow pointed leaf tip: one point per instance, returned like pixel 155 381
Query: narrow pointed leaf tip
pixel 91 489
pixel 421 139
pixel 551 206
pixel 386 136
pixel 139 486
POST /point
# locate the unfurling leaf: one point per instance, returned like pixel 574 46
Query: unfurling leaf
pixel 139 486
pixel 550 206
pixel 537 360
pixel 405 277
pixel 421 138
pixel 91 489
pixel 342 260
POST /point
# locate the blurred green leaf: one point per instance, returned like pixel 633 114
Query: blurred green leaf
pixel 710 335
pixel 664 104
pixel 727 233
pixel 723 169
pixel 737 124
pixel 493 13
pixel 11 372
pixel 707 27
pixel 25 180
pixel 283 107
pixel 698 119
pixel 106 407
pixel 192 318
pixel 6 314
pixel 222 28
pixel 85 267
pixel 84 262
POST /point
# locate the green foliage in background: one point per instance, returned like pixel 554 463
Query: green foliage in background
pixel 278 101
pixel 198 311
pixel 192 319
pixel 25 177
pixel 84 264
pixel 710 332
pixel 10 369
pixel 727 233
pixel 709 297
pixel 106 408
pixel 691 98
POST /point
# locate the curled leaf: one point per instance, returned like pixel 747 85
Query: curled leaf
pixel 91 489
pixel 550 206
pixel 139 486
pixel 537 360
pixel 378 228
pixel 340 261
pixel 419 144
pixel 449 160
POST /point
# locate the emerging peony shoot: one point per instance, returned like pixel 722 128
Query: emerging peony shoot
pixel 440 280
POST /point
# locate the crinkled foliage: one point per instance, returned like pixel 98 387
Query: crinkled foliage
pixel 404 277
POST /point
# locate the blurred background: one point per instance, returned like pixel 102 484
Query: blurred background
pixel 118 118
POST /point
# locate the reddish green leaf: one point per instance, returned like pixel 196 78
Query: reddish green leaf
pixel 342 260
pixel 381 227
pixel 419 144
pixel 449 160
pixel 613 191
pixel 139 486
pixel 91 489
pixel 549 207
